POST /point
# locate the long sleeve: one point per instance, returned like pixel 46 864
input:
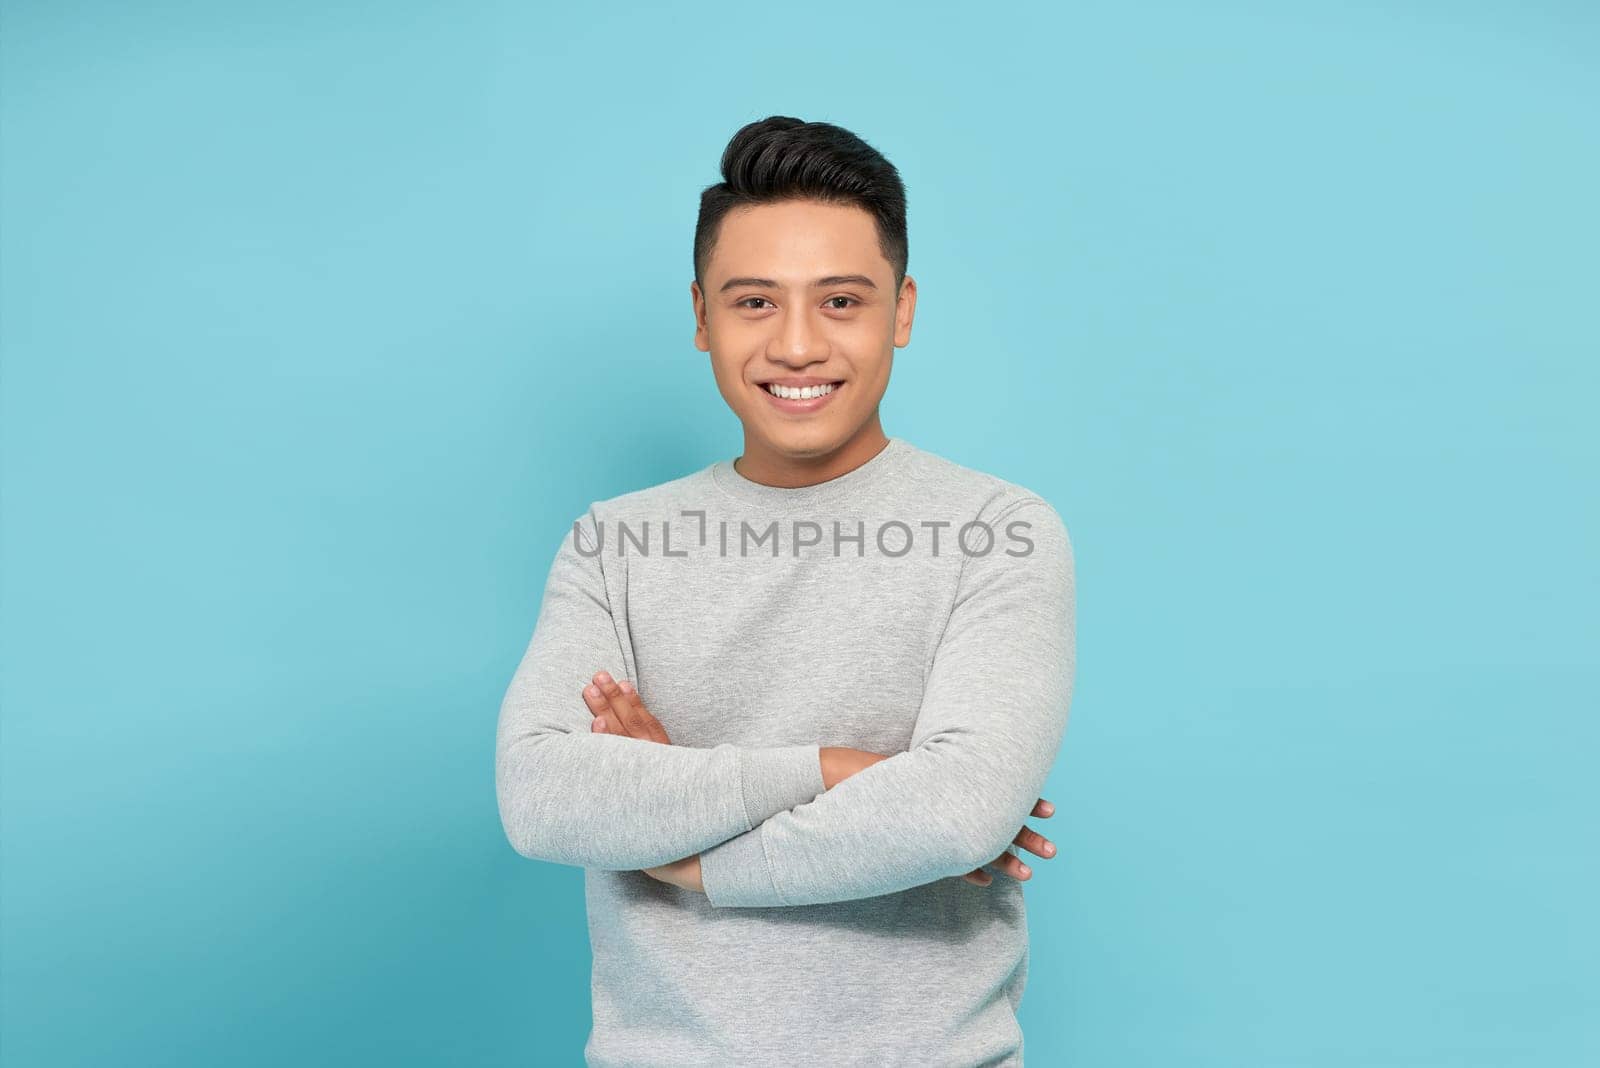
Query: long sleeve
pixel 571 796
pixel 992 717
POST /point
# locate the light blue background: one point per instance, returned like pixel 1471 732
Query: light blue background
pixel 321 321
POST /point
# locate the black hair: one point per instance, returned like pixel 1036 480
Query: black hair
pixel 781 158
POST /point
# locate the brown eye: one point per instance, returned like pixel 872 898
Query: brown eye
pixel 851 300
pixel 745 303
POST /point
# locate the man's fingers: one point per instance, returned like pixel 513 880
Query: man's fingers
pixel 1027 838
pixel 613 704
pixel 605 720
pixel 651 724
pixel 1035 843
pixel 623 708
pixel 1012 865
pixel 620 707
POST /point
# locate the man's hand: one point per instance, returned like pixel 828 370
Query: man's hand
pixel 684 873
pixel 618 709
pixel 1031 840
pixel 840 762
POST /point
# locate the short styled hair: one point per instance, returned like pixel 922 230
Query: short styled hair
pixel 781 158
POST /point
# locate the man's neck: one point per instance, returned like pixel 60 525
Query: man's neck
pixel 769 468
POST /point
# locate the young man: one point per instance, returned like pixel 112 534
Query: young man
pixel 785 710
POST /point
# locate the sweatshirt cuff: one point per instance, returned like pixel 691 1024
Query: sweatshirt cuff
pixel 735 872
pixel 775 779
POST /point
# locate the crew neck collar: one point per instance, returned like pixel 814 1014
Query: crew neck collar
pixel 853 482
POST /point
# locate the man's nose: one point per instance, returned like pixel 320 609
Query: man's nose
pixel 798 340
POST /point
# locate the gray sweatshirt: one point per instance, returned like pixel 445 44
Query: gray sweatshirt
pixel 912 607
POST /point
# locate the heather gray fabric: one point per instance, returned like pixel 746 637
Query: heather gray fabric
pixel 759 624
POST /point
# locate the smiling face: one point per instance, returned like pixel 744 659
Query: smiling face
pixel 801 319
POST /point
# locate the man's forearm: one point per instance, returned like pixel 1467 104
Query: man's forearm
pixel 838 763
pixel 606 802
pixel 909 820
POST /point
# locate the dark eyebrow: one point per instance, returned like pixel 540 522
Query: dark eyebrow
pixel 831 280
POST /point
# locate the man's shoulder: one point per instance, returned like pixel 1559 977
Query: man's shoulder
pixel 1013 512
pixel 982 495
pixel 659 499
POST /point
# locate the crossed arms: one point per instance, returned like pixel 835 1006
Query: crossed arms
pixel 766 828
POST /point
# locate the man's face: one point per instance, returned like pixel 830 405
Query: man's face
pixel 800 293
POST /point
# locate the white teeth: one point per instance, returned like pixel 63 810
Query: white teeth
pixel 805 393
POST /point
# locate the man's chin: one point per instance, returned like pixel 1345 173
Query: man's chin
pixel 802 444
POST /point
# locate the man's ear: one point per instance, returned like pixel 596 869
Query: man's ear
pixel 905 307
pixel 702 334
